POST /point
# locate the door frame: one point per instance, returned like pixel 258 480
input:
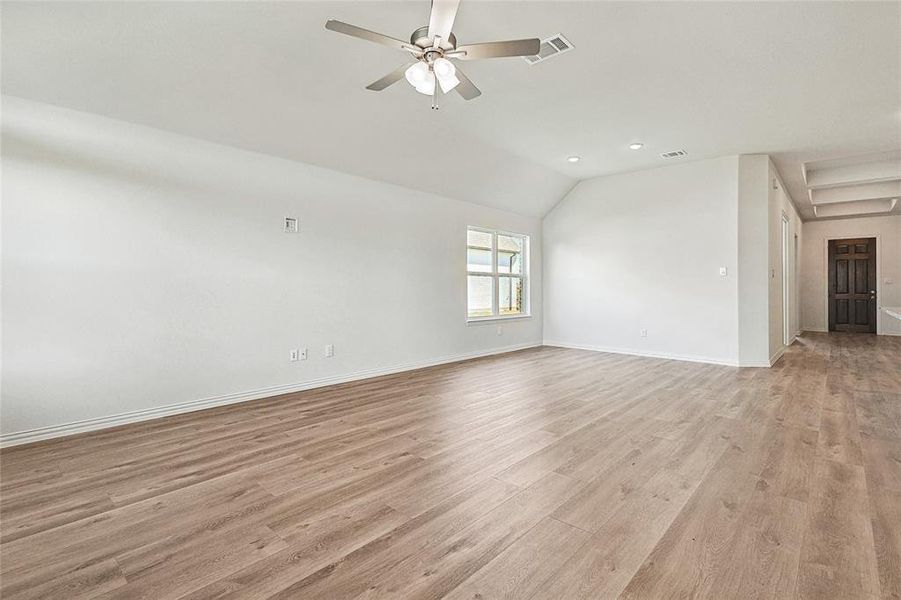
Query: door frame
pixel 787 334
pixel 796 285
pixel 826 241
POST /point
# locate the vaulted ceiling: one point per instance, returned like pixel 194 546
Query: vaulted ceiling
pixel 805 82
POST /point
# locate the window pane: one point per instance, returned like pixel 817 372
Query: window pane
pixel 478 252
pixel 509 254
pixel 510 300
pixel 478 260
pixel 480 294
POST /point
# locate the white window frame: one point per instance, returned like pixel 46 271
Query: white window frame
pixel 496 287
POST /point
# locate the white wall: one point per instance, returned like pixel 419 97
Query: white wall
pixel 779 205
pixel 753 260
pixel 814 316
pixel 143 269
pixel 762 201
pixel 642 251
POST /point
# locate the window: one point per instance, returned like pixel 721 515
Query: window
pixel 497 271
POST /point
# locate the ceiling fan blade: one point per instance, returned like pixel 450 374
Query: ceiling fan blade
pixel 466 88
pixel 527 47
pixel 441 19
pixel 370 36
pixel 392 77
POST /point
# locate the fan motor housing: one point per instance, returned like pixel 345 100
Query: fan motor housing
pixel 421 38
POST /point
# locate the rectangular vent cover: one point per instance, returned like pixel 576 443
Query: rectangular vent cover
pixel 674 154
pixel 552 46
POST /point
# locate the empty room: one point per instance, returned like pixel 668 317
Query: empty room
pixel 475 299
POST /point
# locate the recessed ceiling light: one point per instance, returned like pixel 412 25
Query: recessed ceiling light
pixel 574 159
pixel 636 146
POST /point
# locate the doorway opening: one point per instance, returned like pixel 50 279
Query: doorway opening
pixel 786 283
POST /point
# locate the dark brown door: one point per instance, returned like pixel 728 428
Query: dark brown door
pixel 852 285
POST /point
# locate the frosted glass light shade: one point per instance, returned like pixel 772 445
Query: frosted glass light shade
pixel 421 78
pixel 428 86
pixel 446 73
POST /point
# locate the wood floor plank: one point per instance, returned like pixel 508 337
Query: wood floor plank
pixel 163 571
pixel 86 581
pixel 838 558
pixel 789 461
pixel 353 574
pixel 453 560
pixel 763 560
pixel 839 438
pixel 697 543
pixel 879 414
pixel 885 510
pixel 604 565
pixel 544 473
pixel 523 565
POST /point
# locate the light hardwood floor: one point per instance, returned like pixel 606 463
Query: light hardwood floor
pixel 545 473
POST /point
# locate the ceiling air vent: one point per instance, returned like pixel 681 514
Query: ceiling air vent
pixel 674 154
pixel 552 46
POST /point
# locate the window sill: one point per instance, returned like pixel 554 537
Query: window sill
pixel 477 320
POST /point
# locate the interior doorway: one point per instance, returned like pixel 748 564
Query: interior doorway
pixel 786 283
pixel 796 285
pixel 852 285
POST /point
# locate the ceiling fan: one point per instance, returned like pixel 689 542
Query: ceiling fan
pixel 432 46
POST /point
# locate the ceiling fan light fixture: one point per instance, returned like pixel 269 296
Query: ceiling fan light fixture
pixel 448 83
pixel 443 68
pixel 421 77
pixel 427 87
pixel 446 73
pixel 431 46
pixel 417 74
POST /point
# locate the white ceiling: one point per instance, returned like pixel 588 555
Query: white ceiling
pixel 802 81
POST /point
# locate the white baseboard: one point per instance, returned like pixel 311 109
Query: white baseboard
pixel 54 431
pixel 756 364
pixel 667 356
pixel 777 355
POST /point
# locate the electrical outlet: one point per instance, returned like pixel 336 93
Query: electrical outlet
pixel 329 350
pixel 644 333
pixel 500 330
pixel 723 271
pixel 303 354
pixel 295 355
